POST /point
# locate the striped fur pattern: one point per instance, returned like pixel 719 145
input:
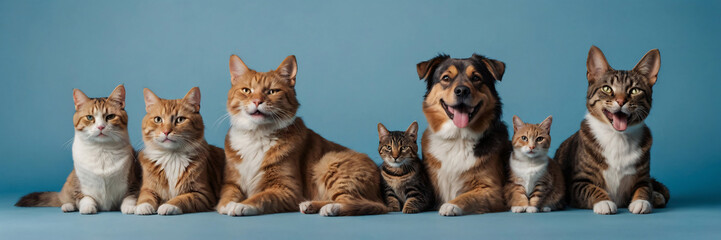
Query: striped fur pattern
pixel 182 173
pixel 466 143
pixel 276 164
pixel 535 182
pixel 105 175
pixel 607 162
pixel 405 183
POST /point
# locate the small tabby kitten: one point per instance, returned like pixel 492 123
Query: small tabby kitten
pixel 182 173
pixel 607 162
pixel 404 182
pixel 535 182
pixel 105 175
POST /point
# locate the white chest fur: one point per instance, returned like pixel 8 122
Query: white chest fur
pixel 251 147
pixel 102 171
pixel 622 152
pixel 528 171
pixel 173 164
pixel 453 147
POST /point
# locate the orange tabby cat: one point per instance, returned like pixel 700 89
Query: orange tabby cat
pixel 275 162
pixel 182 173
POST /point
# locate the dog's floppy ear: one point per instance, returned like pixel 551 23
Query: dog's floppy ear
pixel 425 68
pixel 495 67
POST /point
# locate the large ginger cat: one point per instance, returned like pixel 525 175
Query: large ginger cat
pixel 182 173
pixel 275 162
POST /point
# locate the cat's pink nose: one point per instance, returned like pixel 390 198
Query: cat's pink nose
pixel 620 101
pixel 166 132
pixel 532 147
pixel 101 128
pixel 257 102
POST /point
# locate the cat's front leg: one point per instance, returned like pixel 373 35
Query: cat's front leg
pixel 392 201
pixel 196 201
pixel 416 201
pixel 128 204
pixel 230 196
pixel 478 200
pixel 88 205
pixel 273 200
pixel 591 196
pixel 147 202
pixel 516 196
pixel 640 203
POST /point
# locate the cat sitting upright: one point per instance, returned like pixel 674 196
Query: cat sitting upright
pixel 405 182
pixel 535 182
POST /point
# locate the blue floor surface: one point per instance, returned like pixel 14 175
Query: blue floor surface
pixel 685 218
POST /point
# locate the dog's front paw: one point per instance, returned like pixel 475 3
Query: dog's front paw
pixel 88 206
pixel 640 207
pixel 605 207
pixel 449 209
pixel 68 207
pixel 144 209
pixel 240 209
pixel 331 209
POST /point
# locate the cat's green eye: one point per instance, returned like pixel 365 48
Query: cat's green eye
pixel 388 148
pixel 404 148
pixel 446 78
pixel 636 91
pixel 607 89
pixel 273 91
pixel 179 120
pixel 109 117
pixel 524 138
pixel 157 120
pixel 245 90
pixel 89 117
pixel 539 139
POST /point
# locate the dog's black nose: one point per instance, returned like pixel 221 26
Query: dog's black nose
pixel 462 91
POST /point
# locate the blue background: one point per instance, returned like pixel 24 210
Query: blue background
pixel 356 68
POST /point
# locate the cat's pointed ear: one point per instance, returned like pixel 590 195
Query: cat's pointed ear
pixel 425 68
pixel 495 67
pixel 193 98
pixel 596 64
pixel 649 66
pixel 412 131
pixel 288 68
pixel 546 124
pixel 118 95
pixel 150 99
pixel 517 123
pixel 79 98
pixel 382 131
pixel 237 68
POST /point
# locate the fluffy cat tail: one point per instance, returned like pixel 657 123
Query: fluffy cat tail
pixel 661 194
pixel 40 199
pixel 362 207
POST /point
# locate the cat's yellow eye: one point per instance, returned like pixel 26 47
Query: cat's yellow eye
pixel 636 91
pixel 607 89
pixel 110 117
pixel 245 90
pixel 273 91
pixel 404 148
pixel 388 147
pixel 524 138
pixel 157 119
pixel 179 120
pixel 89 117
pixel 539 139
pixel 446 78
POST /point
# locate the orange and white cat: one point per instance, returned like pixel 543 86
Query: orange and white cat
pixel 105 173
pixel 275 162
pixel 182 173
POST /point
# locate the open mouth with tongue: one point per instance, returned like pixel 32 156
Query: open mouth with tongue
pixel 619 120
pixel 460 113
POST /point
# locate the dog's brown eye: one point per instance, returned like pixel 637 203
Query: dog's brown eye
pixel 539 139
pixel 475 78
pixel 446 78
pixel 524 138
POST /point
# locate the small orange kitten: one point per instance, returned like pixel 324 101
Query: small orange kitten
pixel 535 182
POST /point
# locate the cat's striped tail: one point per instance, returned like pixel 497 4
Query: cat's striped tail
pixel 40 199
pixel 661 194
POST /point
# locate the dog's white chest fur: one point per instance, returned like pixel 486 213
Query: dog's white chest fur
pixel 251 146
pixel 528 171
pixel 102 172
pixel 453 147
pixel 622 152
pixel 173 164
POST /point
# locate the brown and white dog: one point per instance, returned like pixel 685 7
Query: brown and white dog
pixel 466 141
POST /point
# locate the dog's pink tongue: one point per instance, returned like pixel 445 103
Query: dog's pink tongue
pixel 460 119
pixel 620 121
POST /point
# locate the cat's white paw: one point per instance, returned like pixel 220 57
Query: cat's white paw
pixel 304 206
pixel 518 209
pixel 331 209
pixel 240 209
pixel 224 209
pixel 640 207
pixel 128 205
pixel 169 209
pixel 531 209
pixel 605 207
pixel 449 209
pixel 68 207
pixel 144 209
pixel 88 206
pixel 546 209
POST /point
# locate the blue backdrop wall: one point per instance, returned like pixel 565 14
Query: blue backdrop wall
pixel 356 67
